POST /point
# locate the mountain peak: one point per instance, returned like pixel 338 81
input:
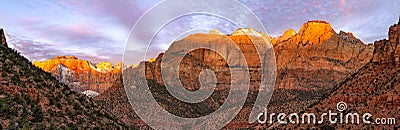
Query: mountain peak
pixel 315 32
pixel 247 31
pixel 75 64
pixel 214 31
pixel 3 38
pixel 287 34
pixel 66 57
pixel 252 32
pixel 316 26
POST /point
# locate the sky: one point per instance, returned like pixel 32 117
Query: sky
pixel 97 30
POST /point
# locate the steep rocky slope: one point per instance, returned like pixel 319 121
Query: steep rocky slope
pixel 32 99
pixel 116 101
pixel 374 89
pixel 3 38
pixel 81 75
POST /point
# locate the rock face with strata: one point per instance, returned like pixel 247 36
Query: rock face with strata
pixel 314 58
pixel 388 51
pixel 317 57
pixel 230 50
pixel 81 75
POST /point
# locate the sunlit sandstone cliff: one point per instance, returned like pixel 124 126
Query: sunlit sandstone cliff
pixel 317 57
pixel 80 74
pixel 314 58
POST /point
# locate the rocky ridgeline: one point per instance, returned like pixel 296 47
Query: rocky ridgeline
pixel 388 51
pixel 314 58
pixel 286 35
pixel 194 62
pixel 81 75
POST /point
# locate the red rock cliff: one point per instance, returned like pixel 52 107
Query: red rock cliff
pixel 314 58
pixel 388 51
pixel 81 74
pixel 317 57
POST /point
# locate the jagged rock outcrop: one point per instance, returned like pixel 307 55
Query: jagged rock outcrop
pixel 81 75
pixel 118 67
pixel 314 32
pixel 3 38
pixel 286 35
pixel 104 67
pixel 388 51
pixel 317 57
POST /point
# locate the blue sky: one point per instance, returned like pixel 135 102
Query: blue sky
pixel 97 30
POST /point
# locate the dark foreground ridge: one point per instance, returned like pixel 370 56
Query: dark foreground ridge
pixel 32 99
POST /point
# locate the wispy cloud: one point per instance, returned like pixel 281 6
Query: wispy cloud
pixel 97 29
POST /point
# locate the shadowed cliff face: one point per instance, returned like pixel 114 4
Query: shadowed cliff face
pixel 81 75
pixel 388 51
